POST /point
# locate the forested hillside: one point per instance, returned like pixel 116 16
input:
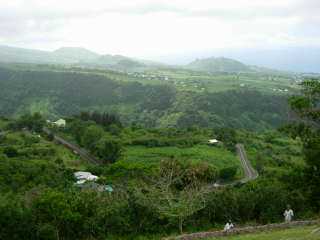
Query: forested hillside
pixel 57 93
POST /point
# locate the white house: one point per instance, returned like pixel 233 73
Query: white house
pixel 60 123
pixel 213 141
pixel 82 177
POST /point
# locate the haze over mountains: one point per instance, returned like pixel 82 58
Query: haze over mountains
pixel 295 59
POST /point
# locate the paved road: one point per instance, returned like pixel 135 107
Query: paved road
pixel 75 148
pixel 249 172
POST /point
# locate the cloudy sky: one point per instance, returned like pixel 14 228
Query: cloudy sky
pixel 151 28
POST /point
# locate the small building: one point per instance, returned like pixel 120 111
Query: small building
pixel 213 141
pixel 60 123
pixel 82 177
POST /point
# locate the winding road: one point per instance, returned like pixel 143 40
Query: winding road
pixel 249 172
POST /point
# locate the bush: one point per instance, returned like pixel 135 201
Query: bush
pixel 228 173
pixel 109 149
pixel 10 151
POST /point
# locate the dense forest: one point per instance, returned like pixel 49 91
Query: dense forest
pixel 59 93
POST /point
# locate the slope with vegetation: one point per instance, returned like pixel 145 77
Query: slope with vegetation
pixel 155 193
pixel 55 92
pixel 218 65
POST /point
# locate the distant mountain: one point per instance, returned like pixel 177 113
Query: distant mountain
pixel 69 55
pixel 75 54
pixel 108 59
pixel 21 55
pixel 220 64
pixel 293 59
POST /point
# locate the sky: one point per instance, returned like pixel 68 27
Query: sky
pixel 155 29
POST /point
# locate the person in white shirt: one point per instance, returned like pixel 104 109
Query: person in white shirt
pixel 229 225
pixel 226 227
pixel 288 214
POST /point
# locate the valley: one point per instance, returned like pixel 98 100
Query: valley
pixel 183 149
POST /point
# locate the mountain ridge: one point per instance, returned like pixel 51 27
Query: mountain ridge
pixel 84 57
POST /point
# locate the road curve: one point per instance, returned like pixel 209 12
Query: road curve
pixel 249 172
pixel 75 148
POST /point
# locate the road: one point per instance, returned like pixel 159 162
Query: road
pixel 75 148
pixel 249 172
pixel 244 230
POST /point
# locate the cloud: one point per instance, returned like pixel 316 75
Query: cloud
pixel 152 27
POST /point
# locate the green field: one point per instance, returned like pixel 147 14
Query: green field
pixel 189 80
pixel 299 233
pixel 215 156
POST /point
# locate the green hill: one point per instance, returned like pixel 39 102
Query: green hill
pixel 220 64
pixel 75 54
pixel 21 55
pixel 68 55
pixel 57 91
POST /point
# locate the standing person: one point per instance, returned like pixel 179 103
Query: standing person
pixel 229 225
pixel 226 227
pixel 288 214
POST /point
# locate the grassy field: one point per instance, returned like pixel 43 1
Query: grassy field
pixel 200 81
pixel 215 156
pixel 299 233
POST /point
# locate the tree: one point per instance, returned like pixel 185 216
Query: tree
pixel 10 151
pixel 171 205
pixel 91 136
pixel 228 136
pixel 306 125
pixel 34 122
pixel 109 149
pixel 228 173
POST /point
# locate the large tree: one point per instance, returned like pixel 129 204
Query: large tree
pixel 306 115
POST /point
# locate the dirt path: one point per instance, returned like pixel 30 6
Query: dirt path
pixel 242 230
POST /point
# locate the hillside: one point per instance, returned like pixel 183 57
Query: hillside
pixel 68 55
pixel 151 169
pixel 55 92
pixel 21 55
pixel 75 54
pixel 219 64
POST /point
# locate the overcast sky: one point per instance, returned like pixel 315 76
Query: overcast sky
pixel 149 28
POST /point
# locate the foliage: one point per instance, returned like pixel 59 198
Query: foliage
pixel 66 92
pixel 228 173
pixel 157 190
pixel 306 106
pixel 32 122
pixel 109 149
